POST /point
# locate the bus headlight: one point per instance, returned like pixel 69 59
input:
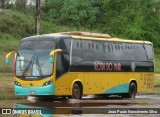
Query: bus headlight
pixel 47 83
pixel 17 83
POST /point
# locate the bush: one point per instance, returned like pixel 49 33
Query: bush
pixel 16 24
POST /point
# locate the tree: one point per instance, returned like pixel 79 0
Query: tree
pixel 72 12
pixel 75 12
pixel 21 4
pixel 133 19
pixel 52 8
pixel 4 4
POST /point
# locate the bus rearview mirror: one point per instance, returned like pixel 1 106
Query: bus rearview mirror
pixel 8 56
pixel 51 59
pixel 7 60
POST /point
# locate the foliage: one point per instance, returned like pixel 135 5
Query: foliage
pixel 131 19
pixel 4 3
pixel 8 42
pixel 72 12
pixel 17 24
pixel 21 4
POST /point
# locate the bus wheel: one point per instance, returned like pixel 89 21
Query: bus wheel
pixel 132 90
pixel 76 92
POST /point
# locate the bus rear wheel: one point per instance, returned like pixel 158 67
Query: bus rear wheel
pixel 132 90
pixel 76 92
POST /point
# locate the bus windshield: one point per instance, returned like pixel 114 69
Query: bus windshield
pixel 33 58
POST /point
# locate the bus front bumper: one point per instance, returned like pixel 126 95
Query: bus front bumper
pixel 26 91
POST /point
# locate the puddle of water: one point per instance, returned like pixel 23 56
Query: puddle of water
pixel 68 107
pixel 87 112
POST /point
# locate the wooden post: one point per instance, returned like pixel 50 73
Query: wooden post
pixel 13 64
pixel 37 20
pixel 4 57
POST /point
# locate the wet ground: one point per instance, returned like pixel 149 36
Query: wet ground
pixel 91 106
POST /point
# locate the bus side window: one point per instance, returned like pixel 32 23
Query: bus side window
pixel 65 45
pixel 87 48
pixel 149 51
pixel 62 65
pixel 97 49
pixel 77 55
pixel 63 58
pixel 59 65
pixel 140 53
pixel 117 54
pixel 106 53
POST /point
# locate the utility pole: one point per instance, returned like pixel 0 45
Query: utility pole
pixel 37 20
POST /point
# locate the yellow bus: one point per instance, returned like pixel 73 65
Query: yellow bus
pixel 81 63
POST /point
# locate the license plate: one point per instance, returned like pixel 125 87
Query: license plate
pixel 32 92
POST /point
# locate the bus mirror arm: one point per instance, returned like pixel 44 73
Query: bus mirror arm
pixel 8 56
pixel 55 51
pixel 52 53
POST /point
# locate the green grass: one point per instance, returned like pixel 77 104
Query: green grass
pixel 157 82
pixel 157 79
pixel 6 86
pixel 157 63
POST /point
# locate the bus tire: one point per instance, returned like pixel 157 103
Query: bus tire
pixel 132 90
pixel 76 92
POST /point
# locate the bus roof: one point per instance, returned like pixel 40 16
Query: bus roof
pixel 86 35
pixel 112 39
pixel 99 36
pixel 44 36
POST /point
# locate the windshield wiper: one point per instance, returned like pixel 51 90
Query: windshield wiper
pixel 27 67
pixel 39 67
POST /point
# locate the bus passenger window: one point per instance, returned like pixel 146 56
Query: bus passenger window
pixel 119 47
pixel 106 53
pixel 149 51
pixel 81 44
pixel 140 53
pixel 89 45
pixel 92 45
pixel 77 44
pixel 62 64
pixel 115 47
pixel 109 48
pixel 97 46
